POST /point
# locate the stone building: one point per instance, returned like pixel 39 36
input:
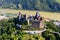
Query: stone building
pixel 37 24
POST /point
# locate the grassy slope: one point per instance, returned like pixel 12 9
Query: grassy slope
pixel 50 15
pixel 58 1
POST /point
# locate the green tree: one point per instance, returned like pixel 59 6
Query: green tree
pixel 46 33
pixel 52 37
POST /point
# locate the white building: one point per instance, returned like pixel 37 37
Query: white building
pixel 57 23
pixel 3 17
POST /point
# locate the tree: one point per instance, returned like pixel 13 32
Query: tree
pixel 37 5
pixel 46 33
pixel 52 37
pixel 16 3
pixel 50 25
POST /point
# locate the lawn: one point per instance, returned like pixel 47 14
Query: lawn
pixel 51 15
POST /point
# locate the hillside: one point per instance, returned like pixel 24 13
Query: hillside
pixel 58 1
pixel 43 5
pixel 9 31
pixel 51 15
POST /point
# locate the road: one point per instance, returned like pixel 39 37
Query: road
pixel 35 32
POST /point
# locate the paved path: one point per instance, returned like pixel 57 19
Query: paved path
pixel 35 32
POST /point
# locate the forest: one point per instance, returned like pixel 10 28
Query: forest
pixel 42 5
pixel 8 31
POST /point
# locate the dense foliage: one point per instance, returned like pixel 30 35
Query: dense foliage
pixel 8 31
pixel 51 32
pixel 50 25
pixel 44 5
